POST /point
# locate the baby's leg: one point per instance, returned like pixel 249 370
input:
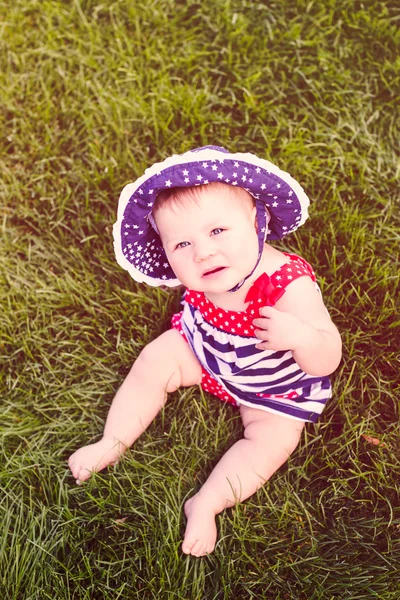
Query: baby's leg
pixel 268 441
pixel 164 365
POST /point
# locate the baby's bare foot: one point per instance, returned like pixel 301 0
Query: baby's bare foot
pixel 201 530
pixel 93 458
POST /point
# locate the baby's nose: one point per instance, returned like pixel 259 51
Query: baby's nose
pixel 203 251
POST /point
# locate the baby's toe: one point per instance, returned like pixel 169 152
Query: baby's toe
pixel 210 548
pixel 198 549
pixel 189 544
pixel 186 548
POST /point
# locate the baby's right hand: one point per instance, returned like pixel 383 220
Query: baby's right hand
pixel 93 458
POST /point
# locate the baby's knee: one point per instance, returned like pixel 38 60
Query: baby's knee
pixel 158 362
pixel 163 359
pixel 281 431
pixel 151 355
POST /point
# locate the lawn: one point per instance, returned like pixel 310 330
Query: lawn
pixel 91 94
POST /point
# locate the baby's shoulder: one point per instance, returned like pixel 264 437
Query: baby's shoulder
pixel 273 259
pixel 286 266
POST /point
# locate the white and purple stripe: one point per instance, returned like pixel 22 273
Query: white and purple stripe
pixel 251 376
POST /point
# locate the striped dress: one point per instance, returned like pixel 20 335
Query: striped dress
pixel 237 372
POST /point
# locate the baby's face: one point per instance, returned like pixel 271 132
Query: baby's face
pixel 211 243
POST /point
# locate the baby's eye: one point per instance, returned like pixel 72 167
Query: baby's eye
pixel 182 245
pixel 217 230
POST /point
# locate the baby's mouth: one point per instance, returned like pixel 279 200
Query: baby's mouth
pixel 213 271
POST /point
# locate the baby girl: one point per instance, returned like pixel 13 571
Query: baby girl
pixel 253 331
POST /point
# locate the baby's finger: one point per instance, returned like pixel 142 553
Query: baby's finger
pixel 263 346
pixel 261 334
pixel 268 311
pixel 74 469
pixel 82 475
pixel 261 323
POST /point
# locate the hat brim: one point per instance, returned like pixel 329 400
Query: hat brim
pixel 137 245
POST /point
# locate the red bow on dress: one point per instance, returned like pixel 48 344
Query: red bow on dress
pixel 264 289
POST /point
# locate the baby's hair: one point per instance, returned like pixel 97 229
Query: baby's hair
pixel 180 195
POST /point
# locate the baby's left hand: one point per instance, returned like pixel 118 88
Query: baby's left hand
pixel 278 330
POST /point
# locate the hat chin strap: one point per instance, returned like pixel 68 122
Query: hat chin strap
pixel 153 223
pixel 263 218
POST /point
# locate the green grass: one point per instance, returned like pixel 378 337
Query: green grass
pixel 91 94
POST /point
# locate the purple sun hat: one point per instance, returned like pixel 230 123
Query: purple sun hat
pixel 138 246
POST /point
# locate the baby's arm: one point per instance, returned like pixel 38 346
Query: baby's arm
pixel 300 322
pixel 163 366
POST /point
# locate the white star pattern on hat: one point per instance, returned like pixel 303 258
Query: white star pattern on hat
pixel 257 176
